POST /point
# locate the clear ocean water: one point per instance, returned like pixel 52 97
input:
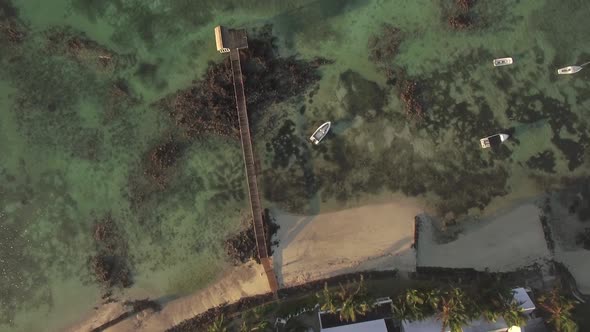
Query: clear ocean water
pixel 72 148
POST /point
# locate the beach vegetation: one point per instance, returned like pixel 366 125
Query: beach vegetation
pixel 497 300
pixel 354 301
pixel 254 320
pixel 348 301
pixel 414 305
pixel 219 325
pixel 326 300
pixel 455 309
pixel 558 311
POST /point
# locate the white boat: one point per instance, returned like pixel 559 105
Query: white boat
pixel 569 70
pixel 320 133
pixel 502 62
pixel 493 140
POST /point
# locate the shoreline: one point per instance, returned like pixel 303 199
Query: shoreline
pixel 295 239
pixel 327 246
pixel 238 282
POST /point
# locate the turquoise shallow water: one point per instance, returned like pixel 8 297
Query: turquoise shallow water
pixel 72 146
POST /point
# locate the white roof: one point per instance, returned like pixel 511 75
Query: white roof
pixel 370 326
pixel 433 325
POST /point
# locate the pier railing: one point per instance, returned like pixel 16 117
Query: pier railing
pixel 249 162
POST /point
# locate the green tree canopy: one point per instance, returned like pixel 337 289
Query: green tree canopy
pixel 415 304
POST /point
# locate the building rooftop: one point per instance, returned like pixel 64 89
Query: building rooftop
pixel 370 326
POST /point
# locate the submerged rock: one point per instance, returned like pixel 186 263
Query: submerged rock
pixel 242 247
pixel 460 22
pixel 208 106
pixel 110 265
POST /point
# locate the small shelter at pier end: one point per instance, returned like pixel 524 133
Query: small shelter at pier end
pixel 228 39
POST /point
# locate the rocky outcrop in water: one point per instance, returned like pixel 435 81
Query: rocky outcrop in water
pixel 410 98
pixel 110 265
pixel 465 5
pixel 162 157
pixel 76 46
pixel 460 22
pixel 460 14
pixel 11 28
pixel 208 106
pixel 242 247
pixel 384 47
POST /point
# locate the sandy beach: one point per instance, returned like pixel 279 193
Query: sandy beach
pixel 310 247
pixel 362 238
pixel 504 243
pixel 371 237
pixel 239 282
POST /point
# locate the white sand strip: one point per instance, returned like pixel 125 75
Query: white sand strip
pixel 372 237
pixel 504 243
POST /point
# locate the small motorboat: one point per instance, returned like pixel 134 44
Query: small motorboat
pixel 320 133
pixel 569 70
pixel 502 62
pixel 493 140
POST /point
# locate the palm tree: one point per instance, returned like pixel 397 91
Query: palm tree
pixel 558 310
pixel 497 300
pixel 218 325
pixel 354 301
pixel 415 305
pixel 453 310
pixel 326 300
pixel 513 314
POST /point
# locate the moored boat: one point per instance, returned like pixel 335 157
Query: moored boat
pixel 502 62
pixel 493 140
pixel 569 70
pixel 320 133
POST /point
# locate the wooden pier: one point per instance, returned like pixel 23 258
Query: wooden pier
pixel 231 41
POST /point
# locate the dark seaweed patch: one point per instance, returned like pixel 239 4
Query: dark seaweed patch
pixel 208 106
pixel 467 179
pixel 7 10
pixel 228 182
pixel 148 74
pixel 363 97
pixel 291 180
pixel 544 161
pixel 573 151
pixel 530 109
